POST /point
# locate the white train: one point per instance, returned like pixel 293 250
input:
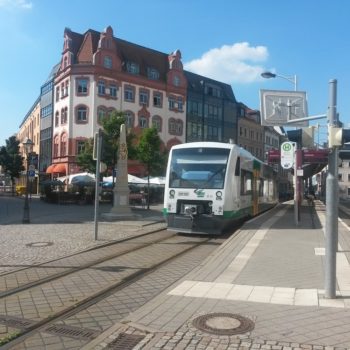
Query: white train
pixel 210 185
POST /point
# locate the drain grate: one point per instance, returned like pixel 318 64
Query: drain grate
pixel 15 322
pixel 223 324
pixel 125 341
pixel 72 332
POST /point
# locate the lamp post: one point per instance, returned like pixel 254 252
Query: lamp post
pixel 28 146
pixel 298 157
pixel 292 79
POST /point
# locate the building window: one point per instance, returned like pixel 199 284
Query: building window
pixel 143 97
pixel 129 94
pixel 152 73
pixel 57 93
pixel 80 147
pixel 129 119
pixel 340 177
pixel 55 147
pixel 101 88
pixel 348 191
pixel 57 118
pixel 81 114
pixel 107 62
pixel 101 114
pixel 64 112
pixel 82 86
pixel 132 68
pixel 176 80
pixel 171 103
pixel 143 122
pixel 157 99
pixel 180 104
pixel 157 123
pixel 66 88
pixel 172 126
pixel 63 145
pixel 113 90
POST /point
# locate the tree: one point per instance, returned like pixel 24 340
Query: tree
pixel 110 144
pixel 84 158
pixel 150 154
pixel 11 160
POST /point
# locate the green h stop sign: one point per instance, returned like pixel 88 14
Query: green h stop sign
pixel 287 155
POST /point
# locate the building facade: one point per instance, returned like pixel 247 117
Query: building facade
pixel 46 120
pixel 211 110
pixel 250 134
pixel 99 74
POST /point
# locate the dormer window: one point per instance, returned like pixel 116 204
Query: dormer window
pixel 133 68
pixel 152 73
pixel 107 62
pixel 176 80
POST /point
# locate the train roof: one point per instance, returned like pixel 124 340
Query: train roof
pixel 205 144
pixel 210 144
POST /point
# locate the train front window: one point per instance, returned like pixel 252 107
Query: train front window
pixel 203 168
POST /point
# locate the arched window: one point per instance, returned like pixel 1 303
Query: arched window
pixel 55 146
pixel 107 61
pixel 179 127
pixel 143 122
pixel 129 119
pixel 64 115
pixel 57 118
pixel 172 126
pixel 157 122
pixel 63 147
pixel 101 114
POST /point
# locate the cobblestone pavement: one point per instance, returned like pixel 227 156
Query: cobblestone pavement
pixel 60 230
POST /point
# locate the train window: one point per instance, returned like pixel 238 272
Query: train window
pixel 198 168
pixel 238 167
pixel 246 182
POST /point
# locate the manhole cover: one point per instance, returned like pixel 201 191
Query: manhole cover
pixel 39 244
pixel 223 324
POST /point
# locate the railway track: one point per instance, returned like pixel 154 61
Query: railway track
pixel 47 301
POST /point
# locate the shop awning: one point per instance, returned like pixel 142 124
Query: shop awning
pixel 50 169
pixel 60 168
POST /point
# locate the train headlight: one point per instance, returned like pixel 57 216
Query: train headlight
pixel 219 195
pixel 210 204
pixel 172 193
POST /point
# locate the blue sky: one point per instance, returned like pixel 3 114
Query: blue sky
pixel 228 40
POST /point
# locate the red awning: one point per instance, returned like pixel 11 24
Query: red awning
pixel 60 168
pixel 50 168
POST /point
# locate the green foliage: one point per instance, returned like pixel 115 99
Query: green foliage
pixel 9 337
pixel 10 158
pixel 150 154
pixel 110 144
pixel 85 160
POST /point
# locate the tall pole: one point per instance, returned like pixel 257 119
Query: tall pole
pixel 26 215
pixel 97 181
pixel 332 201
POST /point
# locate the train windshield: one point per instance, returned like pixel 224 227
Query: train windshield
pixel 198 167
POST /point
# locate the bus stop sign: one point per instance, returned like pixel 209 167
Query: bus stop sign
pixel 287 155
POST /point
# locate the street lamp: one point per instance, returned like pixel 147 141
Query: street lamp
pixel 28 147
pixel 291 79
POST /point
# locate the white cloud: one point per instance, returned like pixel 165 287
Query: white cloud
pixel 16 4
pixel 237 63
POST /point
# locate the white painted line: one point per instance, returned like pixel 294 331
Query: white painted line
pixel 199 289
pixel 219 290
pixel 183 287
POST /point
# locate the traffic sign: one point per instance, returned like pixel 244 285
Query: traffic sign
pixel 287 155
pixel 31 173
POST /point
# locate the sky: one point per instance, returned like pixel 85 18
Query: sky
pixel 228 40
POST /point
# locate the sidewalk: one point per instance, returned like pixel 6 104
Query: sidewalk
pixel 262 289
